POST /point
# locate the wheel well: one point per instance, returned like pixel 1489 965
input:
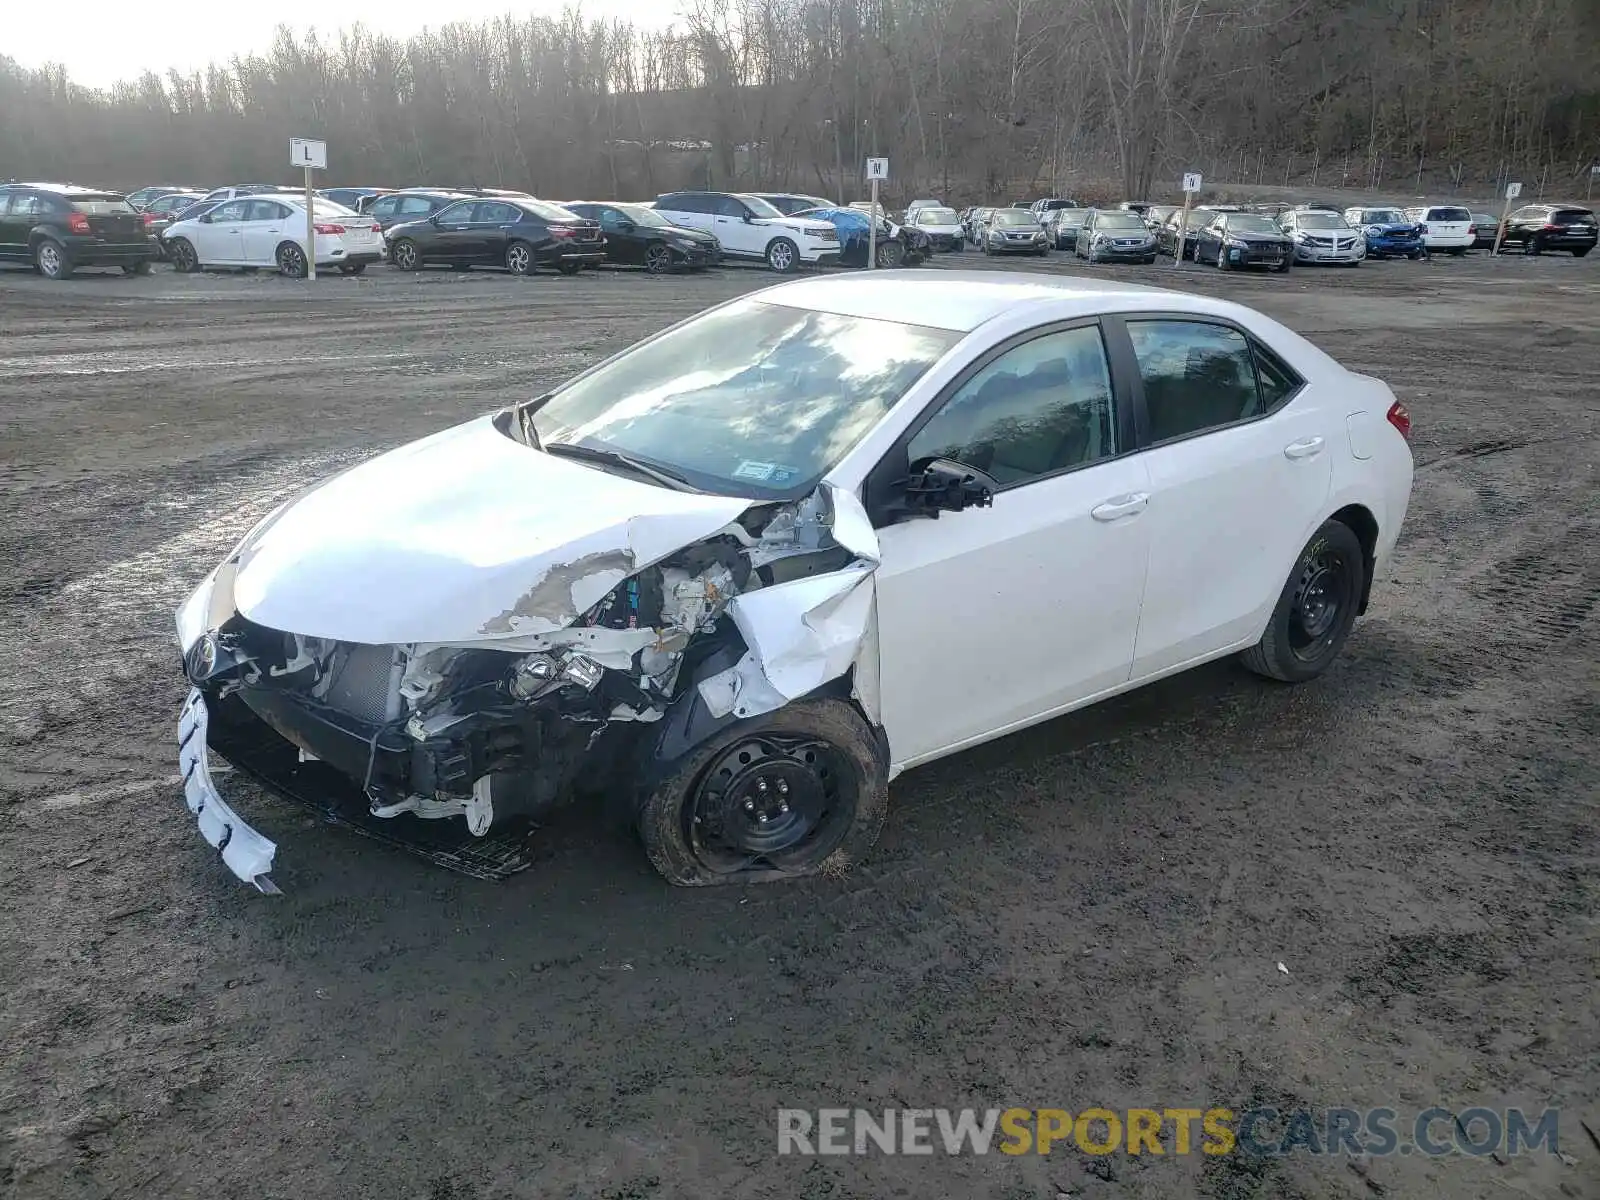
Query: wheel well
pixel 1364 525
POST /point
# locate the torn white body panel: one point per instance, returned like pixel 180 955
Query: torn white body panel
pixel 465 537
pixel 247 854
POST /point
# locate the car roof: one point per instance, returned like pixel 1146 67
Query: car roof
pixel 963 300
pixel 65 189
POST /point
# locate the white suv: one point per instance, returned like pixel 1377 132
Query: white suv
pixel 749 227
pixel 1447 227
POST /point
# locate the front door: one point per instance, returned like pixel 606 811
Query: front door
pixel 220 240
pixel 992 618
pixel 1241 464
pixel 733 228
pixel 454 233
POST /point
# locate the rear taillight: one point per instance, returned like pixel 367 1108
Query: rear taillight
pixel 1554 228
pixel 77 223
pixel 1400 419
pixel 563 231
pixel 150 218
pixel 1422 229
pixel 328 228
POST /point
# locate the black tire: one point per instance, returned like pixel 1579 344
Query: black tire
pixel 1458 250
pixel 138 268
pixel 291 259
pixel 783 256
pixel 825 744
pixel 569 268
pixel 1283 267
pixel 352 268
pixel 50 259
pixel 1582 252
pixel 1222 259
pixel 405 256
pixel 891 254
pixel 519 258
pixel 658 258
pixel 1043 251
pixel 1315 610
pixel 1148 260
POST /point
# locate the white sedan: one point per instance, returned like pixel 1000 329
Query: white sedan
pixel 749 570
pixel 270 231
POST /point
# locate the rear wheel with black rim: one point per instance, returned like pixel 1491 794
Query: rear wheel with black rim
pixel 890 254
pixel 1315 610
pixel 569 268
pixel 405 256
pixel 180 252
pixel 519 258
pixel 292 261
pixel 795 791
pixel 1534 244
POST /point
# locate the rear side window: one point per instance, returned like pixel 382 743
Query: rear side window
pixel 497 214
pixel 1199 376
pixel 1449 214
pixel 25 204
pixel 688 202
pixel 410 206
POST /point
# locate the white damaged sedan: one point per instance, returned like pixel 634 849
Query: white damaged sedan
pixel 737 577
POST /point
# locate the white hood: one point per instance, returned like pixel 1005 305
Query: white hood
pixel 466 536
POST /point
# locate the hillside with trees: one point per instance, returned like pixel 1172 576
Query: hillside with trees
pixel 970 99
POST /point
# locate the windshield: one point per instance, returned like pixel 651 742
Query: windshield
pixel 1384 216
pixel 1319 220
pixel 1014 216
pixel 1118 220
pixel 760 207
pixel 751 399
pixel 936 216
pixel 640 215
pixel 1250 223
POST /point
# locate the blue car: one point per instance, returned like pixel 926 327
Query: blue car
pixel 1389 232
pixel 898 245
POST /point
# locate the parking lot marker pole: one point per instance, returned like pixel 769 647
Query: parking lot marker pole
pixel 1191 185
pixel 1513 190
pixel 311 232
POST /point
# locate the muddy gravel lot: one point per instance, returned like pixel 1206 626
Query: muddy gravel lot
pixel 1089 913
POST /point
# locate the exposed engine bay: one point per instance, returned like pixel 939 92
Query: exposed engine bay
pixel 771 606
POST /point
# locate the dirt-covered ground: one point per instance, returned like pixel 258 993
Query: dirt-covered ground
pixel 1090 913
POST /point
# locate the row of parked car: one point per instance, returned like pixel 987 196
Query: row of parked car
pixel 57 228
pixel 1276 235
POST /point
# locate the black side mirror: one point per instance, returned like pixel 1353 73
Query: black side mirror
pixel 939 485
pixel 625 226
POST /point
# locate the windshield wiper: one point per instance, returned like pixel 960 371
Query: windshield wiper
pixel 616 458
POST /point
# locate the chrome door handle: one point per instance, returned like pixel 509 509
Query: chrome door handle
pixel 1118 507
pixel 1307 448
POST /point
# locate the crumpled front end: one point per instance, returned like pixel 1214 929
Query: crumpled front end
pixel 482 735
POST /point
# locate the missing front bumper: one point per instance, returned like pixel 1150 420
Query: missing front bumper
pixel 230 729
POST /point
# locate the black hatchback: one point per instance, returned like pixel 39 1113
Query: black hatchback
pixel 511 232
pixel 1540 227
pixel 57 228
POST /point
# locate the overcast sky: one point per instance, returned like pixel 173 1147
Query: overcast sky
pixel 108 40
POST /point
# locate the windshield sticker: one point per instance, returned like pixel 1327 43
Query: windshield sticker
pixel 762 471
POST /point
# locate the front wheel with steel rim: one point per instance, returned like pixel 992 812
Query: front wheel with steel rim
pixel 51 259
pixel 783 255
pixel 292 261
pixel 789 793
pixel 519 258
pixel 405 256
pixel 1315 610
pixel 658 258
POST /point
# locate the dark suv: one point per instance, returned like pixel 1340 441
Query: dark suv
pixel 1551 227
pixel 57 228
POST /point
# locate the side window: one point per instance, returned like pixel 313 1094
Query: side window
pixel 1522 214
pixel 25 204
pixel 1274 378
pixel 610 218
pixel 458 213
pixel 233 211
pixel 1197 376
pixel 727 206
pixel 267 210
pixel 387 207
pixel 688 202
pixel 1041 407
pixel 499 214
pixel 409 206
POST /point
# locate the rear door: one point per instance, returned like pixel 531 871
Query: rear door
pixel 494 224
pixel 267 224
pixel 689 209
pixel 1240 460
